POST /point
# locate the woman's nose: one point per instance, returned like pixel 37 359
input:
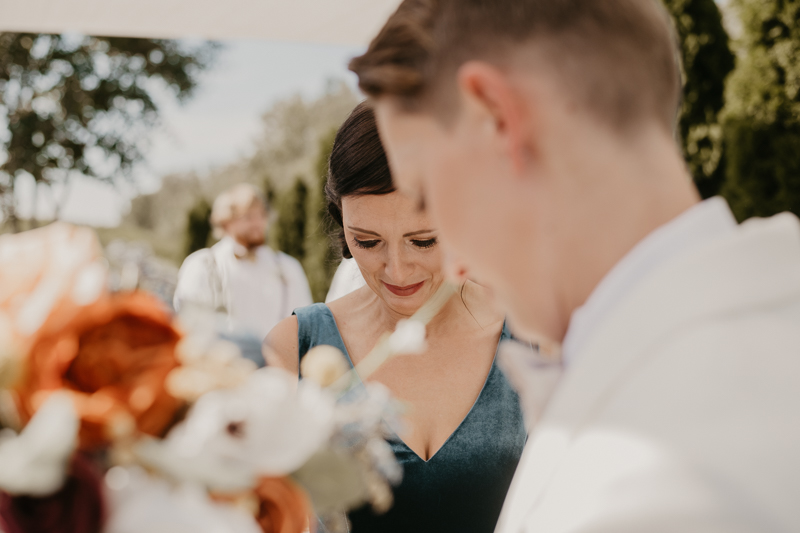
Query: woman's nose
pixel 398 267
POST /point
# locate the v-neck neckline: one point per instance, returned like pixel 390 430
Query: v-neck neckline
pixel 504 335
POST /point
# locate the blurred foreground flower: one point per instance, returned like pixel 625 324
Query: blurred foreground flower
pixel 35 462
pixel 77 507
pixel 58 266
pixel 269 426
pixel 113 357
pixel 282 506
pixel 324 365
pixel 143 503
pixel 88 375
pixel 408 337
pixel 207 363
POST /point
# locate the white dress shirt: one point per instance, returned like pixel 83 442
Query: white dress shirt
pixel 703 223
pixel 257 290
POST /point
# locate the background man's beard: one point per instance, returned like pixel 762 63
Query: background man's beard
pixel 252 241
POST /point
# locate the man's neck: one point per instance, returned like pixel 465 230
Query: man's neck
pixel 648 186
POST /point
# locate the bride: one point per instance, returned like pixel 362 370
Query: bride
pixel 465 430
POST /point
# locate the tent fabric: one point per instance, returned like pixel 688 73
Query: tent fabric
pixel 346 22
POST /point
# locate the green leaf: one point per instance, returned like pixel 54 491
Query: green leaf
pixel 334 481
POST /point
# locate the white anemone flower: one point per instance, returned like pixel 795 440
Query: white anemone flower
pixel 142 503
pixel 269 426
pixel 35 462
pixel 408 337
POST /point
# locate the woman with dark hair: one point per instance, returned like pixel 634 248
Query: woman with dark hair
pixel 464 428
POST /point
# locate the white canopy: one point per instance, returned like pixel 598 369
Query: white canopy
pixel 319 21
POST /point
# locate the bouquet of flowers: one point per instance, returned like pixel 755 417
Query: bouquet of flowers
pixel 117 416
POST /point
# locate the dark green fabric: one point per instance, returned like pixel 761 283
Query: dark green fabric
pixel 462 487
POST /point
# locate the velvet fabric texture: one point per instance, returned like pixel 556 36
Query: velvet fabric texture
pixel 462 487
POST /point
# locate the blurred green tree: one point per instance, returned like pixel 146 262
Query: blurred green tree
pixel 84 104
pixel 707 60
pixel 762 113
pixel 322 255
pixel 198 226
pixel 290 227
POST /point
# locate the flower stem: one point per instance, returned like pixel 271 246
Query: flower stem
pixel 382 351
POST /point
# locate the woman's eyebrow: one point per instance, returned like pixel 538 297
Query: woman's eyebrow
pixel 359 230
pixel 420 232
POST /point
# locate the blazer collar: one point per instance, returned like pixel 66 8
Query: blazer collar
pixel 756 266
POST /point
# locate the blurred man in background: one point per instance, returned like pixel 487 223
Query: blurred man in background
pixel 240 275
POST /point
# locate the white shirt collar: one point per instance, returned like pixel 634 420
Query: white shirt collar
pixel 704 222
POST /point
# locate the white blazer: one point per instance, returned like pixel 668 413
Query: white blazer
pixel 682 413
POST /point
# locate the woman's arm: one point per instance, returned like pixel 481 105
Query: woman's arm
pixel 280 347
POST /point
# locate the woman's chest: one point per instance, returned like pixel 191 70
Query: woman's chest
pixel 438 387
pixel 462 486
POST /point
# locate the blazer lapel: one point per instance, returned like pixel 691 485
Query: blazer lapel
pixel 758 265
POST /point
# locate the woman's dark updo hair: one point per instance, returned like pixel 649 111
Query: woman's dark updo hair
pixel 357 165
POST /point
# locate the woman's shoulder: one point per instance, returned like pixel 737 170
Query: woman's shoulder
pixel 291 338
pixel 281 346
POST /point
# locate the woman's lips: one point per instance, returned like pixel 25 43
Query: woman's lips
pixel 408 290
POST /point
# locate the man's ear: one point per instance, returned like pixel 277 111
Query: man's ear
pixel 491 92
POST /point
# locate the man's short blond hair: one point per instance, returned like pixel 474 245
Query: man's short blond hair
pixel 233 203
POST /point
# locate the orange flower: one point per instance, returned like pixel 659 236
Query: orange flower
pixel 113 356
pixel 282 506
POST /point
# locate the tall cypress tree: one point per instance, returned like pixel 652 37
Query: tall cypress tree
pixel 762 118
pixel 707 60
pixel 198 227
pixel 290 228
pixel 322 257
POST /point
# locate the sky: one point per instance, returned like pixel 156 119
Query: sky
pixel 216 126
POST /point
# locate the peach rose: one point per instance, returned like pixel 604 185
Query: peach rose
pixel 57 266
pixel 113 357
pixel 282 506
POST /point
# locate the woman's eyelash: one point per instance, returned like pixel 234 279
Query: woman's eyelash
pixel 427 243
pixel 365 244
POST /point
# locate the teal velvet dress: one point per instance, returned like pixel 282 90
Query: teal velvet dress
pixel 462 487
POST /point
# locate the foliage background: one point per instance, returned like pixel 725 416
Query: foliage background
pixel 762 112
pixel 82 104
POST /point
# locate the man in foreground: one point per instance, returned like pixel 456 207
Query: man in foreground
pixel 539 135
